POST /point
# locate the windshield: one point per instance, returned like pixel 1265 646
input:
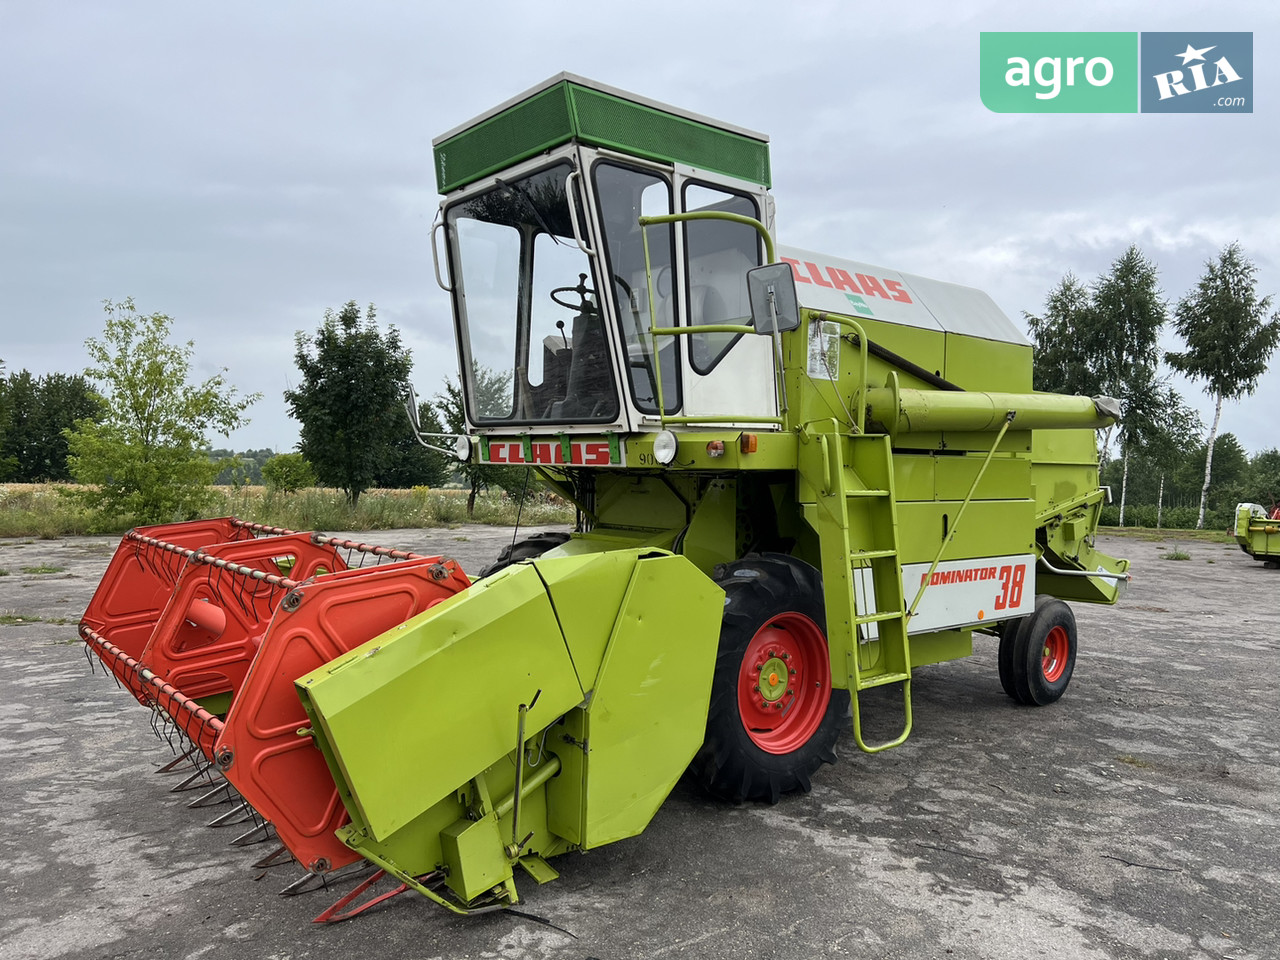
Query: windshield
pixel 533 333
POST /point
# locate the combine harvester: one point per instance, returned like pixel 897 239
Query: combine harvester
pixel 1258 532
pixel 798 478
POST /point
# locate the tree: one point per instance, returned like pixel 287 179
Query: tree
pixel 1161 436
pixel 409 463
pixel 1130 307
pixel 1104 341
pixel 1064 340
pixel 1264 479
pixel 1229 338
pixel 7 464
pixel 349 400
pixel 146 461
pixel 492 392
pixel 289 472
pixel 33 448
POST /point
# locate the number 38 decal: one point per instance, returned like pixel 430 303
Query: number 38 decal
pixel 1011 580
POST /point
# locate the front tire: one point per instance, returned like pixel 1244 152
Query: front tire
pixel 774 717
pixel 529 548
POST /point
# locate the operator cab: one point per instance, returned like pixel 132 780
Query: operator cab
pixel 555 283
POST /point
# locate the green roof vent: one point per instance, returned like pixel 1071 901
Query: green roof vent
pixel 568 108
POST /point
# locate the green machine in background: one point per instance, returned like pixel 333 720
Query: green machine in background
pixel 1258 533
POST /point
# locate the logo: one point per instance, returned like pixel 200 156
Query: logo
pixel 1059 72
pixel 1102 72
pixel 585 453
pixel 856 287
pixel 1197 73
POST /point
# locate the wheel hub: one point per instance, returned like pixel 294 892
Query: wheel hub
pixel 773 679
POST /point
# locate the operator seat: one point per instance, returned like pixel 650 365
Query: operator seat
pixel 589 392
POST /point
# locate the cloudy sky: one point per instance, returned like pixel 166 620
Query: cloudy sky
pixel 242 166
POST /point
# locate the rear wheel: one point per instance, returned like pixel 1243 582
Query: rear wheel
pixel 529 548
pixel 774 717
pixel 1038 658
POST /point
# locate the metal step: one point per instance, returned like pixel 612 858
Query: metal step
pixel 879 617
pixel 857 555
pixel 879 680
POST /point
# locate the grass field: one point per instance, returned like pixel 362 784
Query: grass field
pixel 44 510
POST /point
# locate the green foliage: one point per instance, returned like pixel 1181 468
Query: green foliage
pixel 327 509
pixel 145 460
pixel 1104 341
pixel 1228 335
pixel 1064 341
pixel 1237 478
pixel 43 510
pixel 240 467
pixel 289 472
pixel 34 412
pixel 408 463
pixel 349 401
pixel 492 392
pixel 1225 327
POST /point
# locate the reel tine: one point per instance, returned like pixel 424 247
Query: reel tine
pixel 194 781
pixel 237 815
pixel 275 858
pixel 307 883
pixel 178 760
pixel 259 834
pixel 222 793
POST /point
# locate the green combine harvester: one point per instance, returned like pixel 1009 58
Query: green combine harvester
pixel 797 477
pixel 1258 532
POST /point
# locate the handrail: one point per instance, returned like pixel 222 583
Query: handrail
pixel 859 394
pixel 760 228
pixel 655 331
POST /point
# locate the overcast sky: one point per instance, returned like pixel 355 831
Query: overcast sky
pixel 243 166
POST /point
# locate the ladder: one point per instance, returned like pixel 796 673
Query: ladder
pixel 852 506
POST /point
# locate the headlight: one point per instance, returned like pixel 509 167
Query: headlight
pixel 462 448
pixel 664 447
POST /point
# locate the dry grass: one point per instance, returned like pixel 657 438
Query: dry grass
pixel 42 510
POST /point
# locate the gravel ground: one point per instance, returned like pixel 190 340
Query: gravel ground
pixel 1136 818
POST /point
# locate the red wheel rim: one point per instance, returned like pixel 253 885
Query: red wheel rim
pixel 1057 647
pixel 784 683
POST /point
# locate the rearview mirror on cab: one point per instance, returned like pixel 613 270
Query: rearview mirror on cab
pixel 774 304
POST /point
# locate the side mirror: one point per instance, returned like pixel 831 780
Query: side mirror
pixel 774 304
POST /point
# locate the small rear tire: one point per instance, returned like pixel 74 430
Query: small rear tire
pixel 1038 658
pixel 774 717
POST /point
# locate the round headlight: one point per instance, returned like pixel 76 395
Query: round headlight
pixel 664 447
pixel 462 448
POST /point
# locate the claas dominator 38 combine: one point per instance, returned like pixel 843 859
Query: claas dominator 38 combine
pixel 797 478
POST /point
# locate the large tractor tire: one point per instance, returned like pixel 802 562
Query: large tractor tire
pixel 1038 653
pixel 529 548
pixel 773 717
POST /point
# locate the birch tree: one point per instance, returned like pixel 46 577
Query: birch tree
pixel 1229 338
pixel 1104 339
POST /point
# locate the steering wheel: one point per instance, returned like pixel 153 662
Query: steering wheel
pixel 582 290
